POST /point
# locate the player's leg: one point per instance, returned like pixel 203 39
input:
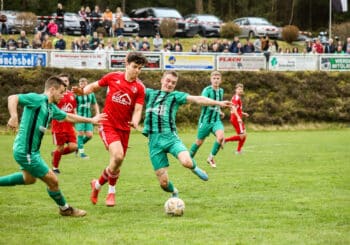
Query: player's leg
pixel 236 126
pixel 218 129
pixel 188 162
pixel 165 183
pixel 243 137
pixel 195 146
pixel 18 178
pixel 202 133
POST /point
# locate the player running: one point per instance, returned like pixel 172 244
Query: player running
pixel 160 128
pixel 123 105
pixel 85 130
pixel 38 111
pixel 210 119
pixel 63 133
pixel 236 118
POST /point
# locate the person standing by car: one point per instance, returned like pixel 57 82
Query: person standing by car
pixel 96 18
pixel 119 24
pixel 107 20
pixel 60 17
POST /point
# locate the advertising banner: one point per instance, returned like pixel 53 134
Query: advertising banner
pixel 190 62
pixel 117 61
pixel 23 59
pixel 339 62
pixel 239 62
pixel 301 62
pixel 78 60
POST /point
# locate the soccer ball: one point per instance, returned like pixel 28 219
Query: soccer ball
pixel 174 206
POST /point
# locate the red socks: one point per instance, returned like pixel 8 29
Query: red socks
pixel 107 175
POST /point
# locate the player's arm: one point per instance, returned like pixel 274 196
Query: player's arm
pixel 73 118
pixel 96 108
pixel 136 116
pixel 88 89
pixel 202 100
pixel 234 111
pixel 12 107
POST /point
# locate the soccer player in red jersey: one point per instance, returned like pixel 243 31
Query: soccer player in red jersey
pixel 236 118
pixel 63 133
pixel 123 106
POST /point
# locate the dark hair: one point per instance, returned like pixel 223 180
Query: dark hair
pixel 54 81
pixel 136 57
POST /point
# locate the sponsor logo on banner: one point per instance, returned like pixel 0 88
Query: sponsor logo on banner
pixel 188 62
pixel 335 63
pixel 23 59
pixel 117 61
pixel 247 63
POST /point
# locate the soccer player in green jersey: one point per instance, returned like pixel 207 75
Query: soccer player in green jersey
pixel 160 128
pixel 84 104
pixel 38 111
pixel 210 119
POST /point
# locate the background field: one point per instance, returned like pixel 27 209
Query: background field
pixel 290 187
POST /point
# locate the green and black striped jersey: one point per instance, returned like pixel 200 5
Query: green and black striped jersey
pixel 84 103
pixel 210 114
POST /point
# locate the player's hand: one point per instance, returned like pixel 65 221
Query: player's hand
pixel 225 103
pixel 98 118
pixel 78 90
pixel 13 123
pixel 135 126
pixel 222 115
pixel 245 114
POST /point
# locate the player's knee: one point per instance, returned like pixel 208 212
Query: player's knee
pixel 199 142
pixel 187 163
pixel 29 181
pixel 163 183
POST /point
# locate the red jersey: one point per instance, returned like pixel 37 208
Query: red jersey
pixel 67 104
pixel 121 99
pixel 237 102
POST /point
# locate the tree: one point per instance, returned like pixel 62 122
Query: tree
pixel 199 6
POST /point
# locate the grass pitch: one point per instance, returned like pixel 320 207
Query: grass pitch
pixel 289 187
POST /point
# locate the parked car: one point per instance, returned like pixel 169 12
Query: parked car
pixel 11 25
pixel 208 25
pixel 71 23
pixel 131 28
pixel 149 20
pixel 256 27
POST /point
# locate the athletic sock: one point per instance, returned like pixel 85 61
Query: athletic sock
pixel 86 139
pixel 58 197
pixel 80 142
pixel 170 187
pixel 216 148
pixel 56 158
pixel 194 149
pixel 111 189
pixel 104 177
pixel 66 150
pixel 233 138
pixel 240 144
pixel 113 177
pixel 12 179
pixel 194 164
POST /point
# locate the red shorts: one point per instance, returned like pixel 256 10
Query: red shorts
pixel 109 135
pixel 64 138
pixel 239 127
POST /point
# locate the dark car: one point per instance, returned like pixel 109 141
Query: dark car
pixel 149 20
pixel 208 25
pixel 10 25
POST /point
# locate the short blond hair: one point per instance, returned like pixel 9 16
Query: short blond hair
pixel 215 73
pixel 239 85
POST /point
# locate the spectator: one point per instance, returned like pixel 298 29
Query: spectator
pixel 157 43
pixel 248 47
pixel 60 17
pixel 137 43
pixel 100 49
pixel 203 46
pixel 83 16
pixel 23 39
pixel 96 18
pixel 215 48
pixel 308 45
pixel 47 43
pixel 224 45
pixel 60 43
pixel 177 43
pixel 94 41
pixel 216 41
pixel 121 44
pixel 52 28
pixel 84 45
pixel 265 43
pixel 144 47
pixel 329 48
pixel 318 46
pixel 239 48
pixel 145 41
pixel 76 45
pixel 272 49
pixel 119 23
pixel 295 50
pixel 88 20
pixel 169 46
pixel 233 46
pixel 109 47
pixel 42 28
pixel 287 51
pixel 107 20
pixel 257 45
pixel 130 46
pixel 346 45
pixel 2 41
pixel 37 43
pixel 339 50
pixel 11 44
pixel 195 49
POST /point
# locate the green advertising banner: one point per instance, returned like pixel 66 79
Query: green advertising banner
pixel 335 63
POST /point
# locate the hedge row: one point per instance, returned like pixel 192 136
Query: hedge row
pixel 270 97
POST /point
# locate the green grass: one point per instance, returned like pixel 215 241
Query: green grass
pixel 290 187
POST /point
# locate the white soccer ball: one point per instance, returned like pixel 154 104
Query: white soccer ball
pixel 174 206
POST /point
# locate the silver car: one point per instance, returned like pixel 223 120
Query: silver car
pixel 256 27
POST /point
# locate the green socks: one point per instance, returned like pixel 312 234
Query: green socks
pixel 194 149
pixel 12 179
pixel 216 148
pixel 58 197
pixel 169 188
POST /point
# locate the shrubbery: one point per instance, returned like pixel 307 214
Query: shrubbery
pixel 290 33
pixel 270 97
pixel 167 28
pixel 27 21
pixel 341 30
pixel 229 30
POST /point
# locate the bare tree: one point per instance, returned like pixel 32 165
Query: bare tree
pixel 292 13
pixel 199 6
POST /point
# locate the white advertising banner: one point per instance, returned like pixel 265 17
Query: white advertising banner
pixel 239 62
pixel 78 60
pixel 284 62
pixel 338 62
pixel 177 61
